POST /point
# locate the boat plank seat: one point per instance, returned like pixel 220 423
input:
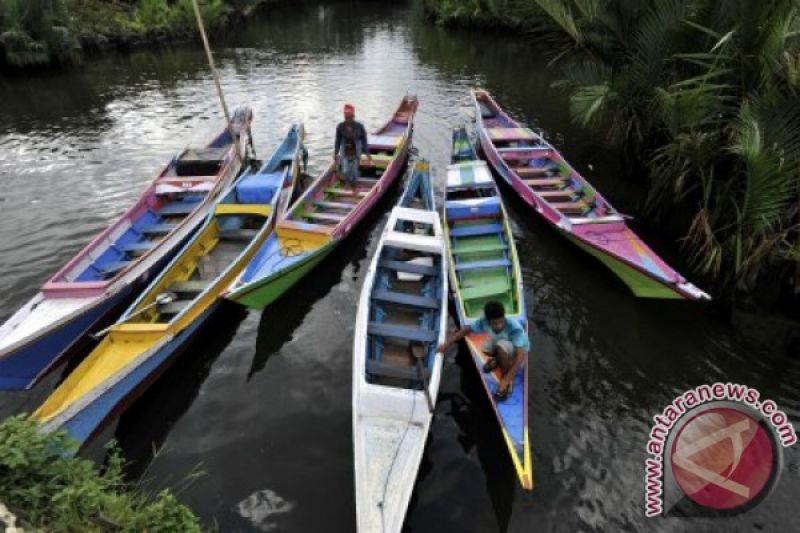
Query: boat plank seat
pixel 109 269
pixel 173 308
pixel 524 172
pixel 410 300
pixel 477 229
pixel 137 248
pixel 158 229
pixel 469 248
pixel 189 287
pixel 517 134
pixel 334 205
pixel 177 208
pixel 410 268
pixel 390 370
pixel 242 235
pixel 518 154
pixel 511 149
pixel 580 205
pixel 489 263
pixel 382 329
pixel 561 193
pixel 330 217
pixel 485 290
pixel 546 182
pixel 345 192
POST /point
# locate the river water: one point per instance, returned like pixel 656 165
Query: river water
pixel 253 423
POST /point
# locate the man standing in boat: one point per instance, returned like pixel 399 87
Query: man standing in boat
pixel 351 144
pixel 507 347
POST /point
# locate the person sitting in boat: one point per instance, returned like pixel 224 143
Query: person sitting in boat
pixel 351 144
pixel 507 346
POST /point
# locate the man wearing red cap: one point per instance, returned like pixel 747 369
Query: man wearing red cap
pixel 351 143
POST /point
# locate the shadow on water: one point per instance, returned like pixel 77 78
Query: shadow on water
pixel 143 427
pixel 280 320
pixel 475 417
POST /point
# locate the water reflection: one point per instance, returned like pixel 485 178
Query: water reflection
pixel 266 406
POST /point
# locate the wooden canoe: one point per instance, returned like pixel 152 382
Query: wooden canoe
pixel 403 303
pixel 326 214
pixel 541 176
pixel 97 284
pixel 484 267
pixel 158 326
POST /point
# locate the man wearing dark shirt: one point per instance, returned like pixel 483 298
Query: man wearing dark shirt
pixel 351 144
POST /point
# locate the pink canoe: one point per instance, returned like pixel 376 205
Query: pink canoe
pixel 101 279
pixel 545 181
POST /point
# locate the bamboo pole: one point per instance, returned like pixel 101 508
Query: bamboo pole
pixel 221 96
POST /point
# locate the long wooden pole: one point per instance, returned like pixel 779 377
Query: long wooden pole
pixel 210 56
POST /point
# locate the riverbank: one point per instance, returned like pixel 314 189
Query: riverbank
pixel 43 489
pixel 700 106
pixel 37 34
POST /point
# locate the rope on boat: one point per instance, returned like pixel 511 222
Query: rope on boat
pixel 394 459
pixel 210 57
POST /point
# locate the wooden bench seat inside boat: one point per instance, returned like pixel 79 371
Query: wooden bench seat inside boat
pixel 476 229
pixel 401 298
pixel 173 308
pixel 136 248
pixel 390 370
pixel 335 205
pixel 382 329
pixel 485 290
pixel 489 263
pixel 243 235
pixel 403 266
pixel 546 182
pixel 194 286
pixel 325 217
pixel 177 208
pixel 527 172
pixel 561 193
pixel 475 248
pixel 579 206
pixel 346 192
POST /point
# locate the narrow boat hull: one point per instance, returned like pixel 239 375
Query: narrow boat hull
pixel 24 367
pixel 260 295
pixel 97 409
pixel 402 311
pixel 394 446
pixel 156 327
pixel 510 413
pixel 484 266
pixel 641 285
pixel 579 211
pixel 94 286
pixel 326 214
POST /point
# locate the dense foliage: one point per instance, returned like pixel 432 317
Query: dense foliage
pixel 703 96
pixel 50 491
pixel 42 32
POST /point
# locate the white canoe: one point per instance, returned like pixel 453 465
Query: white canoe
pixel 403 302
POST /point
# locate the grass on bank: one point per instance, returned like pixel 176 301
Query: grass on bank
pixel 45 32
pixel 701 97
pixel 47 490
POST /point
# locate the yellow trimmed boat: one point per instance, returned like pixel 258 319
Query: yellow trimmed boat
pixel 156 328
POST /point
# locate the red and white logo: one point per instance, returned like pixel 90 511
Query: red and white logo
pixel 724 458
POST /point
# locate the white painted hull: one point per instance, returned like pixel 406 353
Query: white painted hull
pixel 390 424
